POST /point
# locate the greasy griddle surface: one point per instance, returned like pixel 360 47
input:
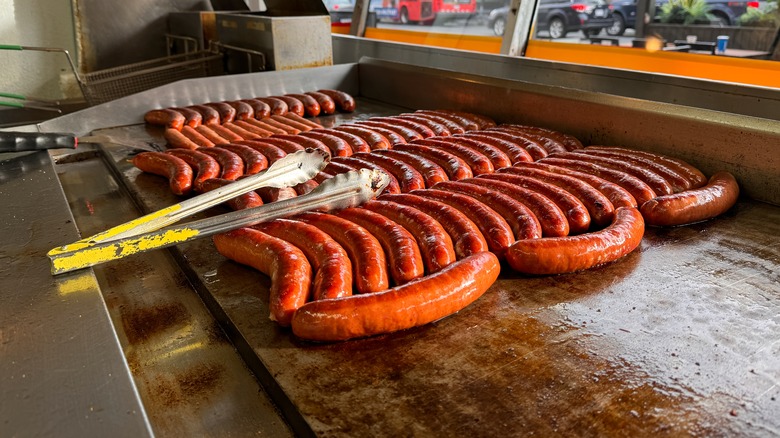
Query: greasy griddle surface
pixel 681 336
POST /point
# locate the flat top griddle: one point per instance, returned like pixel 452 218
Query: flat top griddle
pixel 680 336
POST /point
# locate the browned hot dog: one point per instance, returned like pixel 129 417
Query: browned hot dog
pixel 209 115
pixel 407 134
pixel 240 202
pixel 192 117
pixel 176 139
pixel 408 178
pixel 401 249
pixel 243 110
pixel 513 151
pixel 304 141
pixel 434 242
pixel 224 132
pixel 287 266
pixel 420 128
pixel 373 138
pixel 430 171
pixel 332 267
pixel 226 112
pixel 476 160
pixel 277 106
pixel 294 105
pixel 659 185
pixel 178 172
pixel 356 163
pixel 695 205
pixel 558 255
pixel 260 108
pixel 327 104
pixel 204 166
pixel 209 134
pixel 416 303
pixel 231 165
pixel 254 161
pixel 337 146
pixel 344 102
pixel 455 167
pixel 570 142
pixel 691 173
pixel 195 135
pixel 465 234
pixel 311 106
pixel 438 129
pixel 165 117
pixel 365 251
pixel 677 180
pixel 357 144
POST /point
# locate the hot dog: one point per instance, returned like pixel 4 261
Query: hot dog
pixel 299 119
pixel 408 178
pixel 524 223
pixel 226 112
pixel 327 104
pixel 513 151
pixel 241 132
pixel 206 132
pixel 693 174
pixel 407 134
pixel 260 108
pixel 493 226
pixel 178 172
pixel 257 131
pixel 677 180
pixel 374 139
pixel 243 110
pixel 421 129
pixel 364 250
pixel 204 166
pixel 286 120
pixel 416 303
pixel 355 163
pixel 231 165
pixel 438 129
pixel 273 194
pixel 305 187
pixel 176 139
pixel 455 167
pixel 287 266
pixel 311 106
pixel 192 118
pixel 287 146
pixel 618 196
pixel 551 217
pixel 282 126
pixel 401 249
pixel 337 146
pixel 476 160
pixel 638 188
pixel 278 106
pixel 465 234
pixel 465 122
pixel 452 127
pixel 332 267
pixel 533 148
pixel 434 242
pixel 270 129
pixel 575 211
pixel 720 194
pixel 390 136
pixel 569 141
pixel 209 115
pixel 225 133
pixel 482 122
pixel 254 161
pixel 430 171
pixel 659 185
pixel 599 207
pixel 195 135
pixel 550 145
pixel 357 144
pixel 558 255
pixel 165 117
pixel 304 141
pixel 272 153
pixel 344 102
pixel 294 105
pixel 496 156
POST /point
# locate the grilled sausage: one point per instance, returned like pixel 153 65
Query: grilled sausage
pixel 570 142
pixel 421 129
pixel 533 148
pixel 260 108
pixel 466 237
pixel 225 132
pixel 524 223
pixel 408 177
pixel 204 166
pixel 337 146
pixel 401 249
pixel 416 303
pixel 695 205
pixel 374 139
pixel 287 266
pixel 226 112
pixel 434 242
pixel 299 119
pixel 691 173
pixel 165 117
pixel 344 102
pixel 287 121
pixel 332 267
pixel 192 118
pixel 206 132
pixel 368 258
pixel 254 161
pixel 515 153
pixel 176 139
pixel 452 127
pixel 430 171
pixel 549 144
pixel 327 104
pixel 231 165
pixel 178 172
pixel 257 132
pixel 243 110
pixel 241 132
pixel 496 156
pixel 356 143
pixel 356 163
pixel 477 161
pixel 407 134
pixel 677 180
pixel 659 185
pixel 439 130
pixel 551 217
pixel 465 122
pixel 305 142
pixel 493 226
pixel 277 106
pixel 287 146
pixel 294 105
pixel 558 255
pixel 209 115
pixel 270 152
pixel 311 107
pixel 455 167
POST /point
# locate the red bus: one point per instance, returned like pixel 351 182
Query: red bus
pixel 426 11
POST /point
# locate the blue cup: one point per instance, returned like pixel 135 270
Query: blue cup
pixel 723 42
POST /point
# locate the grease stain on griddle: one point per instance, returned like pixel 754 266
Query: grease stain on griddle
pixel 142 324
pixel 198 382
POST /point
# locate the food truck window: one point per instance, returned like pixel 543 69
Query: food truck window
pixel 722 40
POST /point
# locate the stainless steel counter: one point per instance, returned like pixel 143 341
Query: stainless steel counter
pixel 680 337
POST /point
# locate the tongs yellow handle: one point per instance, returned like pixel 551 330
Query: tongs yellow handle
pixel 341 191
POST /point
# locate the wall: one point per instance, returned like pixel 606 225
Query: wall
pixel 43 23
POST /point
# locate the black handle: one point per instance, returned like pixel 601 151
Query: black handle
pixel 34 141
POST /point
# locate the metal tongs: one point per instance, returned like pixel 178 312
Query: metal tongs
pixel 152 231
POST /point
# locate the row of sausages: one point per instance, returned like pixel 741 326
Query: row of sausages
pixel 565 209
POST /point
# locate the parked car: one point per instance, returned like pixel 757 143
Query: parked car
pixel 624 16
pixel 497 20
pixel 725 12
pixel 560 17
pixel 340 10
